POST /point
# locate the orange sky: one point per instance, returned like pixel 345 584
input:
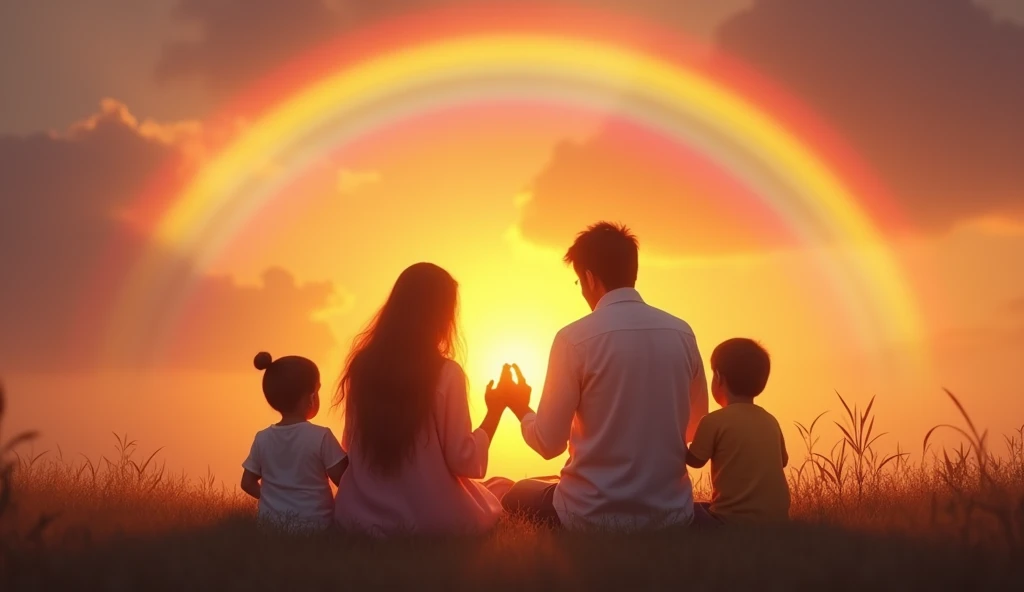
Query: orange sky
pixel 457 197
pixel 516 294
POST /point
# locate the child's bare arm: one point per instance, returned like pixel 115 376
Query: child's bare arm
pixel 337 471
pixel 251 483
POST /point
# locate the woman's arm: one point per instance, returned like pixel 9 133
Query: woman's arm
pixel 496 402
pixel 490 423
pixel 465 450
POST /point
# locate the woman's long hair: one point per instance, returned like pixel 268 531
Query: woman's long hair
pixel 390 379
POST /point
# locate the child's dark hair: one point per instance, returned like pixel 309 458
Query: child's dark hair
pixel 286 380
pixel 742 365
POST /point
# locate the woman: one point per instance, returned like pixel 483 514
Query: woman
pixel 407 431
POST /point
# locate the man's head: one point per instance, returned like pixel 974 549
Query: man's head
pixel 604 258
pixel 741 367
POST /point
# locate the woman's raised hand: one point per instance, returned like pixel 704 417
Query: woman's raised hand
pixel 497 397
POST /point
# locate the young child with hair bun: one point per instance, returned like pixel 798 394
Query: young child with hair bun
pixel 290 461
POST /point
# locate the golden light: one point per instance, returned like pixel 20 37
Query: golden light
pixel 510 314
pixel 528 349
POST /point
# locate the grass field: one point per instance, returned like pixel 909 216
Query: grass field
pixel 952 519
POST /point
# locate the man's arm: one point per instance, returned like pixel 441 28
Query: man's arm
pixel 700 451
pixel 698 392
pixel 547 430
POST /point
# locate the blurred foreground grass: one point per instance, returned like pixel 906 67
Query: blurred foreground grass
pixel 953 519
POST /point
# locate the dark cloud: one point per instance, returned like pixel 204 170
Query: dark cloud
pixel 64 235
pixel 240 40
pixel 928 91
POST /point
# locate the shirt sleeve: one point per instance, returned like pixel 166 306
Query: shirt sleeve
pixel 703 445
pixel 547 431
pixel 252 462
pixel 330 450
pixel 465 450
pixel 698 392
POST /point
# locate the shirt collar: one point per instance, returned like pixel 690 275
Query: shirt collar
pixel 619 295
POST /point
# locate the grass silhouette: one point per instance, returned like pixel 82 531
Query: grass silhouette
pixel 952 519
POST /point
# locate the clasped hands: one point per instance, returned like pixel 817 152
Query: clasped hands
pixel 513 394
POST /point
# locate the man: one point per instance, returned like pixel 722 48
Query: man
pixel 625 390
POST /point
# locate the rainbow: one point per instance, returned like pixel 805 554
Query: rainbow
pixel 444 61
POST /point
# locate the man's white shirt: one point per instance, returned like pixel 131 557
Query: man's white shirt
pixel 624 391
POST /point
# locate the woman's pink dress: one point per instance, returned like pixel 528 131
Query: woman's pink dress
pixel 434 492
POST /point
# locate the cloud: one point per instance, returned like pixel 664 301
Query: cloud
pixel 929 92
pixel 227 323
pixel 676 203
pixel 241 40
pixel 64 235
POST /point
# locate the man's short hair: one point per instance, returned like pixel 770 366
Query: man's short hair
pixel 742 365
pixel 609 251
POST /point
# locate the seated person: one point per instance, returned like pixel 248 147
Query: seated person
pixel 290 462
pixel 743 442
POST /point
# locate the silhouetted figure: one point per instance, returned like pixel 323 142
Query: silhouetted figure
pixel 743 441
pixel 414 454
pixel 625 389
pixel 289 463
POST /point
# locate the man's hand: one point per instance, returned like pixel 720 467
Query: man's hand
pixel 518 392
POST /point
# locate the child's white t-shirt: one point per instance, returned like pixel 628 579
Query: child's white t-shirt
pixel 292 462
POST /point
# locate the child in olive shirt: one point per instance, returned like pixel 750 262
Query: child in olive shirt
pixel 743 442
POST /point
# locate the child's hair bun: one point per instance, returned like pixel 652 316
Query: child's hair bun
pixel 262 361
